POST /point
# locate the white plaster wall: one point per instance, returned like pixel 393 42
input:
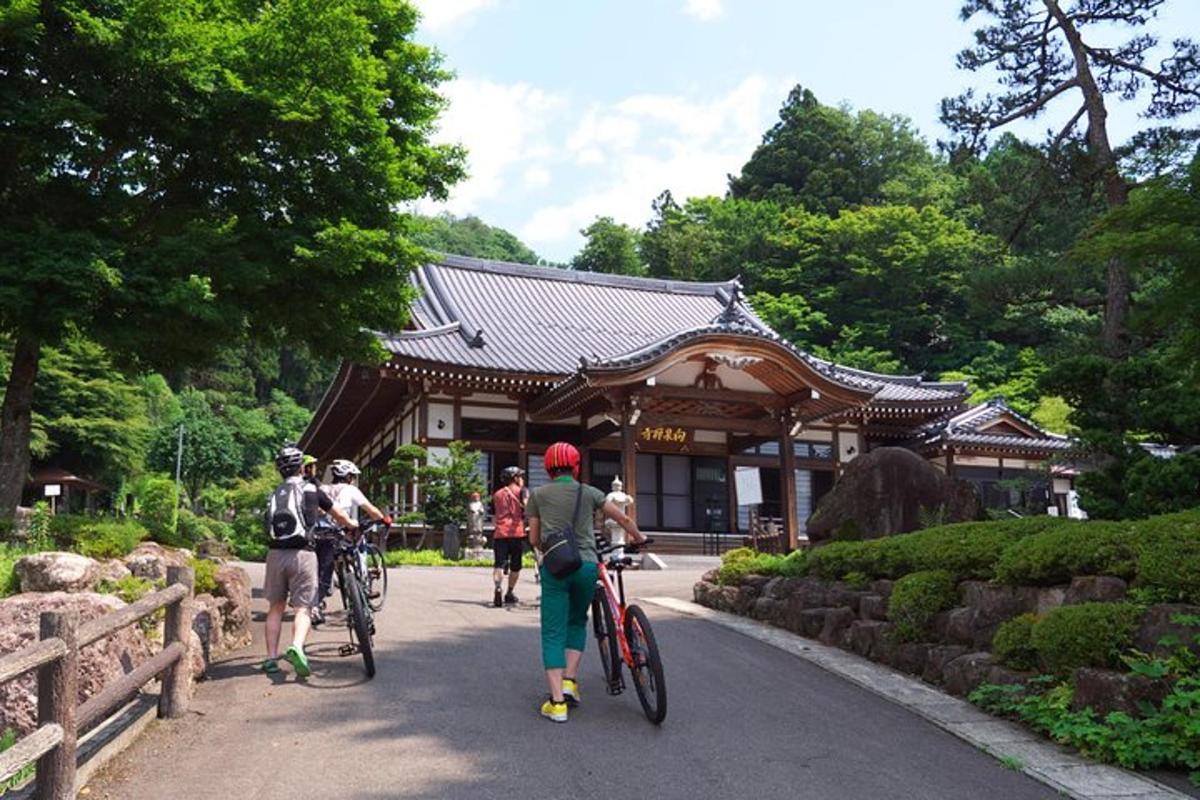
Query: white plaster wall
pixel 710 437
pixel 815 435
pixel 487 412
pixel 440 413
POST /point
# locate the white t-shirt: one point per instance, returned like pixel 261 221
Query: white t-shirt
pixel 347 497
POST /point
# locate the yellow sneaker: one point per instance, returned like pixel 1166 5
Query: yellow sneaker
pixel 556 712
pixel 571 692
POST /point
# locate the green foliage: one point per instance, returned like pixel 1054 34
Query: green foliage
pixel 857 580
pixel 742 561
pixel 210 451
pixel 107 538
pixel 1168 557
pixel 469 236
pixel 916 599
pixel 610 247
pixel 446 482
pixel 1068 550
pixel 248 498
pixel 158 508
pixel 1085 635
pixel 1012 644
pixel 194 528
pixel 9 584
pixel 40 524
pixel 433 558
pixel 130 588
pixel 205 575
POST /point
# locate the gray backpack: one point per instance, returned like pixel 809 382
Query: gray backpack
pixel 285 515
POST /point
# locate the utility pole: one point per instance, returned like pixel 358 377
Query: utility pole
pixel 179 462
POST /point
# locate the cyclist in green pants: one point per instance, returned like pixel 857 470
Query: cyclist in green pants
pixel 565 601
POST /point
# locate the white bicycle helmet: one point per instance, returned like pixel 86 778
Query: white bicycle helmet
pixel 342 469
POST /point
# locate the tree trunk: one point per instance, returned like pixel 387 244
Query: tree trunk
pixel 16 416
pixel 1116 191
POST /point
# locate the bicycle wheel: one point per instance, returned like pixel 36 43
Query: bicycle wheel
pixel 647 666
pixel 377 578
pixel 606 642
pixel 360 622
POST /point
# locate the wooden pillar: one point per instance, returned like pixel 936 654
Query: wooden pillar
pixel 57 688
pixel 177 679
pixel 950 462
pixel 522 442
pixel 787 450
pixel 629 457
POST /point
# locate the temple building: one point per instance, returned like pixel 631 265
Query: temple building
pixel 671 385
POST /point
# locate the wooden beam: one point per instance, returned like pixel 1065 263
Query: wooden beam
pixel 600 431
pixel 764 399
pixel 787 450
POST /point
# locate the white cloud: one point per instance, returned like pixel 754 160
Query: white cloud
pixel 644 144
pixel 503 127
pixel 440 14
pixel 703 10
pixel 536 177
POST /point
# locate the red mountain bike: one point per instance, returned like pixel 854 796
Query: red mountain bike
pixel 630 642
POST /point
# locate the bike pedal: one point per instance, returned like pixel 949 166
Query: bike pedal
pixel 347 650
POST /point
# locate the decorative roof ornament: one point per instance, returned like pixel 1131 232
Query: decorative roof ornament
pixel 734 312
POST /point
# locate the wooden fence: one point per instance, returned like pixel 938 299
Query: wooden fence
pixel 56 658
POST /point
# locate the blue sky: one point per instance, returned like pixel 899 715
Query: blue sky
pixel 579 108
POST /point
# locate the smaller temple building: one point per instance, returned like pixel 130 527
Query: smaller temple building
pixel 672 386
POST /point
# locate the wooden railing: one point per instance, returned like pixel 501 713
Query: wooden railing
pixel 56 658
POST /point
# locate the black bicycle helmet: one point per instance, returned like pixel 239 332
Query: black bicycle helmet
pixel 510 474
pixel 289 459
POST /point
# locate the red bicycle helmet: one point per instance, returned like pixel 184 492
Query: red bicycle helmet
pixel 561 455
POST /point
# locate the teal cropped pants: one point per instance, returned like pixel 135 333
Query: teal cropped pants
pixel 565 603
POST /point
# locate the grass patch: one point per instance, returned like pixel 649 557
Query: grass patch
pixel 434 558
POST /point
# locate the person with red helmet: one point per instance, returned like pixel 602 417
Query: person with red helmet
pixel 566 600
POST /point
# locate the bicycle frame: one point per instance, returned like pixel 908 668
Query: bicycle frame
pixel 615 597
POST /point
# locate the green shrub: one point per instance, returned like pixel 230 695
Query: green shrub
pixel 433 558
pixel 158 505
pixel 857 580
pixel 7 740
pixel 205 575
pixel 8 577
pixel 104 538
pixel 1168 557
pixel 1085 635
pixel 1077 548
pixel 130 588
pixel 1012 644
pixel 737 554
pixel 916 599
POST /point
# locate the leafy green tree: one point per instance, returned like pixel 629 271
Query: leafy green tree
pixel 210 450
pixel 1041 50
pixel 826 159
pixel 470 236
pixel 610 247
pixel 217 172
pixel 446 482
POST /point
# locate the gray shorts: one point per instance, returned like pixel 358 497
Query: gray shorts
pixel 294 573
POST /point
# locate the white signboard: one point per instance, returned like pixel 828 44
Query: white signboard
pixel 53 490
pixel 749 486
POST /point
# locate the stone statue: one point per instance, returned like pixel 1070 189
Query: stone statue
pixel 475 538
pixel 612 531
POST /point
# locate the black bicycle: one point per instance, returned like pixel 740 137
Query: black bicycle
pixel 359 577
pixel 624 636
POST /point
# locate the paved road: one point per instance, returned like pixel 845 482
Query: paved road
pixel 452 714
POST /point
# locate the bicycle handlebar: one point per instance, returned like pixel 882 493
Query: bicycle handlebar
pixel 608 547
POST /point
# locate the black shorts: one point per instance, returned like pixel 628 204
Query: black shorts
pixel 508 552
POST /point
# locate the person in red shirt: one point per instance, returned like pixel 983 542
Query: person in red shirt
pixel 508 542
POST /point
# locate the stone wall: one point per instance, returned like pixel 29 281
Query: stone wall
pixel 957 657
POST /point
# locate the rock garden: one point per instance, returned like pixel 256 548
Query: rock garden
pixel 1087 631
pixel 107 567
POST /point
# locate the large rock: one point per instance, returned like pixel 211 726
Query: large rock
pixel 886 491
pixel 99 664
pixel 911 657
pixel 1095 589
pixel 1158 634
pixel 837 621
pixel 150 560
pixel 113 570
pixel 873 606
pixel 938 658
pixel 864 637
pixel 57 572
pixel 1107 691
pixel 963 674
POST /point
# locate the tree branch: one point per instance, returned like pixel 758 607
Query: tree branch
pixel 1107 58
pixel 1029 108
pixel 1066 129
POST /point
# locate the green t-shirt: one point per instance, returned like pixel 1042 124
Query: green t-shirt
pixel 553 503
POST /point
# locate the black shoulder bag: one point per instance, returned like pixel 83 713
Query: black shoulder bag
pixel 560 550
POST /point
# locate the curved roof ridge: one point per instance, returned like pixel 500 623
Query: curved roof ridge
pixel 422 333
pixel 544 272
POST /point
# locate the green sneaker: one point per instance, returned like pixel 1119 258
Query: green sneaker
pixel 297 659
pixel 269 666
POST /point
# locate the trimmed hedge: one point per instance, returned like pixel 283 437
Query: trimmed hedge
pixel 158 506
pixel 1012 644
pixel 101 538
pixel 916 600
pixel 1085 635
pixel 1077 548
pixel 1168 557
pixel 743 561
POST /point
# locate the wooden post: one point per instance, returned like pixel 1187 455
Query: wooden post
pixel 787 451
pixel 177 679
pixel 58 687
pixel 522 439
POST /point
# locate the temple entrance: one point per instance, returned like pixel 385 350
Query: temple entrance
pixel 682 493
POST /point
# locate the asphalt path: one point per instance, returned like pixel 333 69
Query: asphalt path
pixel 452 713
